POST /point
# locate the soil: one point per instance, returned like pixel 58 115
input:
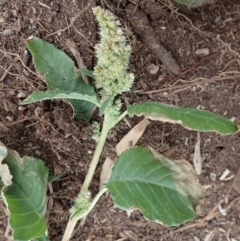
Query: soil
pixel 47 130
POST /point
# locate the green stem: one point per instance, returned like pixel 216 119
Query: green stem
pixel 121 116
pixel 73 221
pixel 96 155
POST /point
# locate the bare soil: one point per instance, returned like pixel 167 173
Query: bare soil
pixel 47 130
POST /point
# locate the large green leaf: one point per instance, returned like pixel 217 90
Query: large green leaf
pixel 58 94
pixel 26 197
pixel 59 72
pixel 194 119
pixel 165 190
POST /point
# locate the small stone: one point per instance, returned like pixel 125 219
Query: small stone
pixel 22 94
pixel 160 78
pixel 213 176
pixel 203 51
pixel 55 7
pixel 9 118
pixel 7 32
pixel 50 19
pixel 196 238
pixel 152 69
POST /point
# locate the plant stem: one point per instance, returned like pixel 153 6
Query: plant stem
pixel 121 116
pixel 73 221
pixel 96 155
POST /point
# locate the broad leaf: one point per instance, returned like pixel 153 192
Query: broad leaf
pixel 194 119
pixel 59 72
pixel 58 94
pixel 165 190
pixel 26 197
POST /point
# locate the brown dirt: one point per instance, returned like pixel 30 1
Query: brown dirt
pixel 47 130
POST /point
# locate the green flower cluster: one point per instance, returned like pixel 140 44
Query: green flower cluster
pixel 112 55
pixel 82 204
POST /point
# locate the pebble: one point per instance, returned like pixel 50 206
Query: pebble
pixel 7 32
pixel 152 69
pixel 50 19
pixel 213 176
pixel 55 7
pixel 202 52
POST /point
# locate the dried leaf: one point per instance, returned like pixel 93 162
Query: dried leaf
pixel 106 172
pixel 132 137
pixel 5 175
pixel 236 182
pixel 197 159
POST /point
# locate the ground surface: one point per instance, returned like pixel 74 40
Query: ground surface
pixel 47 130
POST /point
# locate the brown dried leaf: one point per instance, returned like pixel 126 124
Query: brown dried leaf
pixel 106 172
pixel 197 159
pixel 236 182
pixel 5 175
pixel 132 137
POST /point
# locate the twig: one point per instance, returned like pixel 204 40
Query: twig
pixel 192 67
pixel 142 27
pixel 74 50
pixel 17 121
pixel 203 32
pixel 6 72
pixel 23 64
pixel 205 80
pixel 71 23
pixel 199 224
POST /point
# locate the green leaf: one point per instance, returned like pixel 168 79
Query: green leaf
pixel 165 190
pixel 88 73
pixel 193 119
pixel 58 94
pixel 108 102
pixel 53 178
pixel 59 72
pixel 26 197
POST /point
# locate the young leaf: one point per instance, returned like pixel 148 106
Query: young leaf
pixel 193 119
pixel 59 72
pixel 108 102
pixel 165 190
pixel 58 94
pixel 88 73
pixel 26 197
